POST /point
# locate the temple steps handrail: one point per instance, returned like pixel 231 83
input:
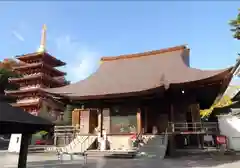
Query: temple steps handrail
pixel 194 126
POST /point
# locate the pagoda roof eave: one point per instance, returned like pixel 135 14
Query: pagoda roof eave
pixel 37 76
pixel 55 62
pixel 35 65
pixel 139 74
pixel 25 104
pixel 17 92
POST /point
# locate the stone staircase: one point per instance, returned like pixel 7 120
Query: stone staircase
pixel 80 144
pixel 154 145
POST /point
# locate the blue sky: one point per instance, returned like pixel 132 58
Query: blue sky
pixel 81 32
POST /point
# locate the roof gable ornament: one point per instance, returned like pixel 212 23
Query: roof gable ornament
pixel 42 47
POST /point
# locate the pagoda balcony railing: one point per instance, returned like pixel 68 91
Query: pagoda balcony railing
pixel 31 100
pixel 39 73
pixel 30 87
pixel 26 75
pixel 32 74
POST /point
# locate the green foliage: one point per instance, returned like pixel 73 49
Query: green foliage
pixel 37 136
pixel 44 113
pixel 223 102
pixel 235 24
pixel 4 84
pixel 43 133
pixel 67 116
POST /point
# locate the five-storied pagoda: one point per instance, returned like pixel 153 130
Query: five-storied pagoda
pixel 38 71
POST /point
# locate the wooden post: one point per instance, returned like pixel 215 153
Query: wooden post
pixel 22 159
pixel 99 119
pixel 200 136
pixel 101 126
pixel 172 136
pixel 106 119
pixel 199 141
pixel 173 127
pixel 55 139
pixel 171 113
pixel 145 119
pixel 139 121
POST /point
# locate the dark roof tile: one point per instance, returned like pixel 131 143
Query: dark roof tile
pixel 136 73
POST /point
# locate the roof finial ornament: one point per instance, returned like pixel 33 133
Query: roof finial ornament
pixel 42 47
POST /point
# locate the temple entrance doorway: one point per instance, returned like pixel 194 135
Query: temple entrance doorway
pixel 154 120
pixel 93 121
pixel 191 139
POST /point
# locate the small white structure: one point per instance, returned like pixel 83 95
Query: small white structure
pixel 229 126
pixel 15 143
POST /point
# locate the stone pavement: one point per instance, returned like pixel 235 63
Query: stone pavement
pixel 50 161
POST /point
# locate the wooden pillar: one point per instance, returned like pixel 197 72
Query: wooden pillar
pixel 171 144
pixel 171 113
pixel 145 119
pixel 55 139
pixel 22 158
pixel 99 119
pixel 101 125
pixel 139 121
pixel 106 119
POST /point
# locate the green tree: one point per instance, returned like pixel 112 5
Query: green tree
pixel 5 74
pixel 44 112
pixel 66 119
pixel 235 26
pixel 67 116
pixel 10 63
pixel 6 71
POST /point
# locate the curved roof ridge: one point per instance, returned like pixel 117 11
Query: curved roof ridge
pixel 147 53
pixel 210 70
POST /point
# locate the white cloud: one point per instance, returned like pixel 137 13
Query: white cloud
pixel 18 35
pixel 81 60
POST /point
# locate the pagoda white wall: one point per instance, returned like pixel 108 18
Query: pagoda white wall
pixel 15 143
pixel 229 126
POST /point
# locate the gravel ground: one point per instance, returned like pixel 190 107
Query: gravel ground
pixel 50 161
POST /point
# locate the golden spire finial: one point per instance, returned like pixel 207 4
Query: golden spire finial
pixel 42 47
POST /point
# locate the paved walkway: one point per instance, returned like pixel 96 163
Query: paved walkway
pixel 50 161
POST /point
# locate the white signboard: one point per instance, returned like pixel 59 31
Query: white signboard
pixel 15 143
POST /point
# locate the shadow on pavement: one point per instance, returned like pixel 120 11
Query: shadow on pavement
pixel 197 161
pixel 208 159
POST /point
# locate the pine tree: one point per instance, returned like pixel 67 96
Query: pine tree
pixel 235 24
pixel 67 116
pixel 5 74
pixel 44 113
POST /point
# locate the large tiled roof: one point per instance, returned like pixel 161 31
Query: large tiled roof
pixel 136 73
